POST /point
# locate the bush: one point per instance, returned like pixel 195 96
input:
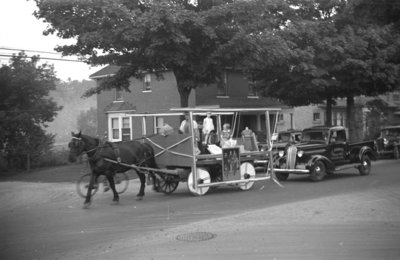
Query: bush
pixel 52 158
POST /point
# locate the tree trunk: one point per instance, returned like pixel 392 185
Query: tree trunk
pixel 28 162
pixel 184 96
pixel 350 122
pixel 329 103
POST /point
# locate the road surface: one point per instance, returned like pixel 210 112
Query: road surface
pixel 346 216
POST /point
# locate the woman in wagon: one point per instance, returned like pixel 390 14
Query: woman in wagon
pixel 226 135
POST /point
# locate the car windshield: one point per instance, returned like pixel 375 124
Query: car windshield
pixel 314 136
pixel 283 137
pixel 391 132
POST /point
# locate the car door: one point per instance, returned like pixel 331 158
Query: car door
pixel 337 146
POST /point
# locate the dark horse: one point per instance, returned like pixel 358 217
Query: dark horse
pixel 130 152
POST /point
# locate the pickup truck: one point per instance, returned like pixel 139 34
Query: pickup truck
pixel 388 142
pixel 324 150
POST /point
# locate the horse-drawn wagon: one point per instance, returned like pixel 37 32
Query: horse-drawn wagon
pixel 187 157
pixel 168 156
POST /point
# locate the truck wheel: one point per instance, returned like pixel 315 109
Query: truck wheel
pixel 365 166
pixel 282 176
pixel 396 153
pixel 318 171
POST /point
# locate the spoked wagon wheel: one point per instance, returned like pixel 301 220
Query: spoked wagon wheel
pixel 167 183
pixel 121 181
pixel 203 177
pixel 83 184
pixel 247 171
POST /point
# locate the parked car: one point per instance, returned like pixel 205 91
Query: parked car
pixel 388 142
pixel 324 150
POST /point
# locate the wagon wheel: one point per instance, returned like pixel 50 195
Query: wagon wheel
pixel 203 178
pixel 167 183
pixel 121 181
pixel 247 171
pixel 83 184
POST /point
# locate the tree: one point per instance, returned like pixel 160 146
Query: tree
pixel 196 42
pixel 25 108
pixel 87 122
pixel 335 56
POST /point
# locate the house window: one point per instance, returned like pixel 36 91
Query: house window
pixel 147 82
pixel 252 89
pixel 280 117
pixel 316 116
pixel 222 86
pixel 338 119
pixel 115 128
pixel 159 122
pixel 118 95
pixel 126 129
pixel 120 128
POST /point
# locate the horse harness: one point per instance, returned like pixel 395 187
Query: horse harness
pixel 102 146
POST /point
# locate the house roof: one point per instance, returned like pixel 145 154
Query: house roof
pixel 122 106
pixel 109 70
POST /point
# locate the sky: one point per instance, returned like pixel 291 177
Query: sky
pixel 20 30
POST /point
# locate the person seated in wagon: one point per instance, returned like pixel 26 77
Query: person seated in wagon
pixel 226 135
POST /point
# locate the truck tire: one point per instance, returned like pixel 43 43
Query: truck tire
pixel 396 153
pixel 365 166
pixel 281 176
pixel 318 171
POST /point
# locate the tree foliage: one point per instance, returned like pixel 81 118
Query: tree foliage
pixel 194 41
pixel 25 108
pixel 87 122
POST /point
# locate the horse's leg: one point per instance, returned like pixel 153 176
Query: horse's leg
pixel 110 178
pixel 87 202
pixel 142 178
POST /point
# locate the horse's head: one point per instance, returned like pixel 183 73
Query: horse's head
pixel 76 146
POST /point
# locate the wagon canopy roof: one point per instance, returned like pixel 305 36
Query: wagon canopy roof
pixel 217 110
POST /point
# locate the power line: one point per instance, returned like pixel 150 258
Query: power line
pixel 42 58
pixel 14 49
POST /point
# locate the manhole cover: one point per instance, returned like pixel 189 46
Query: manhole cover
pixel 196 236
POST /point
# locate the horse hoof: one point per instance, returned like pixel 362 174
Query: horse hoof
pixel 86 205
pixel 139 198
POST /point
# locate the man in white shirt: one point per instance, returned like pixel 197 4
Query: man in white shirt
pixel 208 126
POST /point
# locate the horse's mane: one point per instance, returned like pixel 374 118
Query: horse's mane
pixel 91 138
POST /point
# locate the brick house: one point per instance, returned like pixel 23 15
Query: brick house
pixel 151 95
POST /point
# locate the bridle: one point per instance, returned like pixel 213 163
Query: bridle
pixel 84 146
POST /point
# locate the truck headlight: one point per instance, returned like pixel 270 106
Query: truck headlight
pixel 280 153
pixel 300 153
pixel 385 141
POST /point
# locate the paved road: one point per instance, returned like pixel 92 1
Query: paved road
pixel 346 216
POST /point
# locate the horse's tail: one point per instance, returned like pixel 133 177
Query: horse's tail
pixel 150 156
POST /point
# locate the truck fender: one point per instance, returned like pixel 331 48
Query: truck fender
pixel 368 151
pixel 330 166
